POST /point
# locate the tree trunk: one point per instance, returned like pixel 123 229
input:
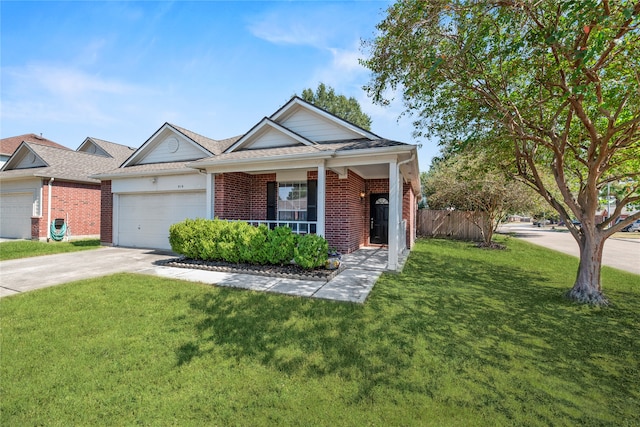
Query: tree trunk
pixel 586 288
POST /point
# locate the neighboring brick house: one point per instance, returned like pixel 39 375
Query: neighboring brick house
pixel 40 183
pixel 8 146
pixel 301 167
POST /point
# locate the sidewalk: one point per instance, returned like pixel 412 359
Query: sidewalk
pixel 363 268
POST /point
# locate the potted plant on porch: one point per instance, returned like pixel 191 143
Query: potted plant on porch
pixel 333 260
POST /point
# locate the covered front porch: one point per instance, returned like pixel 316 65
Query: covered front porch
pixel 352 202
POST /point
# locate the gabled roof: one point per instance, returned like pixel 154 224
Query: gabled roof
pixel 9 145
pixel 330 148
pixel 296 101
pixel 58 163
pixel 203 146
pixel 213 145
pixel 292 122
pixel 101 147
pixel 299 133
pixel 263 126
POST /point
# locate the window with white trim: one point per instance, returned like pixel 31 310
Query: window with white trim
pixel 292 201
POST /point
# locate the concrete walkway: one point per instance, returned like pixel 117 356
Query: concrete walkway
pixel 363 268
pixel 621 253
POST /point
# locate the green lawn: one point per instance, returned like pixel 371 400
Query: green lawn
pixel 29 248
pixel 462 337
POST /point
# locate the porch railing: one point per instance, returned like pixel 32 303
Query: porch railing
pixel 298 227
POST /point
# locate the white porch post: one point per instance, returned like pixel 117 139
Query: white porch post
pixel 394 217
pixel 322 177
pixel 211 195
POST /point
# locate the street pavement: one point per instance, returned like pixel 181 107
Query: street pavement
pixel 620 252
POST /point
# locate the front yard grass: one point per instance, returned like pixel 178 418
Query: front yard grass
pixel 29 248
pixel 463 336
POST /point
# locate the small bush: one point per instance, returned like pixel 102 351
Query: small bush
pixel 253 248
pixel 280 245
pixel 311 251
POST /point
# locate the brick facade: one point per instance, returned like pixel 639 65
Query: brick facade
pixel 233 196
pixel 242 196
pixel 345 214
pixel 77 203
pixel 106 214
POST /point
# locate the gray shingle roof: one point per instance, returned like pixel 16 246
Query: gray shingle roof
pixel 328 146
pixel 149 168
pixel 64 164
pixel 214 146
pixel 117 151
pixel 11 144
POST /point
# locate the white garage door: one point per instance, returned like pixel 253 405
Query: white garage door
pixel 16 210
pixel 144 219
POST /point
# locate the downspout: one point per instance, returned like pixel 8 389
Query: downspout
pixel 49 209
pixel 410 159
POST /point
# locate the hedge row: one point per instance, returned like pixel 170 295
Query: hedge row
pixel 239 242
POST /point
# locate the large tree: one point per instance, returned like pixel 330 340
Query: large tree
pixel 469 182
pixel 556 83
pixel 339 105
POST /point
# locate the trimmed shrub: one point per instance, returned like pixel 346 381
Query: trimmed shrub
pixel 280 245
pixel 311 251
pixel 253 245
pixel 185 237
pixel 215 240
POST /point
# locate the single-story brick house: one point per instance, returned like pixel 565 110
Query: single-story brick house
pixel 301 167
pixel 43 182
pixel 9 145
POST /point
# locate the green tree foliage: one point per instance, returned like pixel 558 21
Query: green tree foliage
pixel 556 84
pixel 346 108
pixel 471 183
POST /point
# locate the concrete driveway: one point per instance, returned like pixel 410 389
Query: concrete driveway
pixel 620 253
pixel 26 274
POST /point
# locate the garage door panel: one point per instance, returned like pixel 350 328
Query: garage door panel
pixel 144 219
pixel 16 210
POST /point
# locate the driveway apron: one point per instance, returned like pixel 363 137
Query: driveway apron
pixel 26 274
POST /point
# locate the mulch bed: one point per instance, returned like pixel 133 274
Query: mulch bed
pixel 492 245
pixel 290 271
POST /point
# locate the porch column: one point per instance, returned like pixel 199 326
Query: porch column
pixel 211 195
pixel 394 202
pixel 322 178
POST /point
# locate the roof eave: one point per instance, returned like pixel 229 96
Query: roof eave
pixel 134 174
pixel 202 164
pixel 357 152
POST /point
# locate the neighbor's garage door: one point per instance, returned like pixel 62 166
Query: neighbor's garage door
pixel 16 210
pixel 144 219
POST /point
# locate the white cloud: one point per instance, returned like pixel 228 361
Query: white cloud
pixel 280 28
pixel 64 81
pixel 61 94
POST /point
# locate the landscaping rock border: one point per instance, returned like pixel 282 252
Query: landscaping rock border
pixel 290 271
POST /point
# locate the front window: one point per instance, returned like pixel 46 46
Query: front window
pixel 292 201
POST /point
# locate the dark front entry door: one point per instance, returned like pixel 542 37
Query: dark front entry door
pixel 379 223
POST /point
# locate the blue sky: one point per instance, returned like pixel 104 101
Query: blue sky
pixel 119 70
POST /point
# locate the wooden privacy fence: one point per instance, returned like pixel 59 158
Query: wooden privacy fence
pixel 447 224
